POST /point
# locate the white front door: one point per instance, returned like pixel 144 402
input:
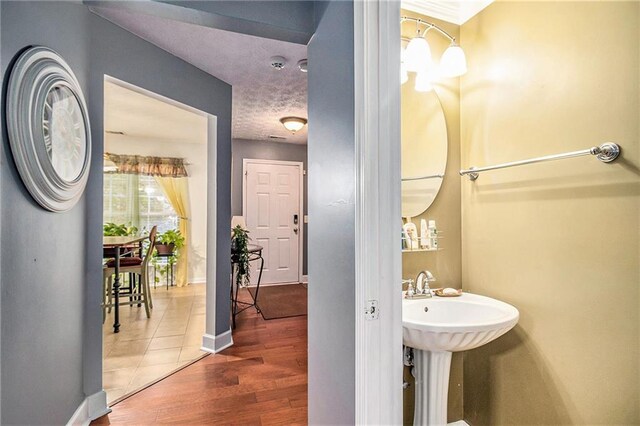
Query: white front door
pixel 272 211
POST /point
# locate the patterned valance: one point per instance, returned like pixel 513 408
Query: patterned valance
pixel 150 166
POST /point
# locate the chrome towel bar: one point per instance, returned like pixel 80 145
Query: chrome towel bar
pixel 606 153
pixel 439 176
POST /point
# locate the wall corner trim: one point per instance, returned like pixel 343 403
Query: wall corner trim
pixel 215 344
pixel 93 407
pixel 378 343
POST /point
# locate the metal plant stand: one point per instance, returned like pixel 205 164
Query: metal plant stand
pixel 255 253
pixel 169 272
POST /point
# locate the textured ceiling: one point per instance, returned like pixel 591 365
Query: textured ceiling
pixel 261 94
pixel 144 117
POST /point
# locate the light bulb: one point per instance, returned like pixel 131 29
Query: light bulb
pixel 423 82
pixel 417 56
pixel 404 75
pixel 453 62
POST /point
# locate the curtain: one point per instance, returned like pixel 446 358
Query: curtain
pixel 151 166
pixel 176 189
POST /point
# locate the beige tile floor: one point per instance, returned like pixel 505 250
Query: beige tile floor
pixel 148 348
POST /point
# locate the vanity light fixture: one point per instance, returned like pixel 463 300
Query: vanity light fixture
pixel 453 62
pixel 423 82
pixel 404 75
pixel 416 57
pixel 293 124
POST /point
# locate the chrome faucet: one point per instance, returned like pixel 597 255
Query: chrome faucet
pixel 422 283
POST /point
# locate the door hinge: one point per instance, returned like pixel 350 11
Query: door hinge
pixel 371 310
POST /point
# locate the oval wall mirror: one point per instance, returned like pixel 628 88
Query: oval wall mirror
pixel 424 149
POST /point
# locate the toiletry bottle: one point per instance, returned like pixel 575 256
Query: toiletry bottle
pixel 424 241
pixel 433 235
pixel 412 232
pixel 405 239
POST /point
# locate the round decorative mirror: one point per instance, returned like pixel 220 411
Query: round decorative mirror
pixel 48 127
pixel 424 149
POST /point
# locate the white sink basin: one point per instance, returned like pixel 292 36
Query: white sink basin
pixel 455 323
pixel 438 326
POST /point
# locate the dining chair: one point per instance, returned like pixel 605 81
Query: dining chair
pixel 136 265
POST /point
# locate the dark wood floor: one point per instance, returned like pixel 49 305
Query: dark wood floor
pixel 260 380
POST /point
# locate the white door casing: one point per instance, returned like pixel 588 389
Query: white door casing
pixel 272 195
pixel 378 342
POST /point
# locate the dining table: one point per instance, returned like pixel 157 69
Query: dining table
pixel 116 244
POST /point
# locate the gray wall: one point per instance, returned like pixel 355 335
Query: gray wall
pixel 265 150
pixel 286 20
pixel 332 217
pixel 42 254
pixel 51 338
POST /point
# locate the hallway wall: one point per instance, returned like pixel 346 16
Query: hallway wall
pixel 42 336
pixel 51 350
pixel 332 217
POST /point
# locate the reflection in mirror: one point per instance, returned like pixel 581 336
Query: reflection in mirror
pixel 424 149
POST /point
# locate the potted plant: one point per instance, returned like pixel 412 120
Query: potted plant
pixel 111 229
pixel 169 242
pixel 240 254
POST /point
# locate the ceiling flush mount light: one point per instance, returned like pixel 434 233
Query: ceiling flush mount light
pixel 293 124
pixel 417 56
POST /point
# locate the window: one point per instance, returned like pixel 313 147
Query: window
pixel 137 200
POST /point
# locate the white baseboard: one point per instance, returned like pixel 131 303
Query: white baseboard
pixel 215 344
pixel 458 423
pixel 93 407
pixel 305 279
pixel 201 280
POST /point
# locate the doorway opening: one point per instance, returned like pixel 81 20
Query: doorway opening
pixel 157 236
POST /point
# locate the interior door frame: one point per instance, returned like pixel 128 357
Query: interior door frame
pixel 211 342
pixel 378 343
pixel 300 166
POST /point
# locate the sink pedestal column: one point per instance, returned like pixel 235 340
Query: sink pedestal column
pixel 431 370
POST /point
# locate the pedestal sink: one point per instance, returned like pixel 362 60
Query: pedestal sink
pixel 435 328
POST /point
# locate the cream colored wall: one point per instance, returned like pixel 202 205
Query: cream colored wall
pixel 196 155
pixel 444 264
pixel 558 240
